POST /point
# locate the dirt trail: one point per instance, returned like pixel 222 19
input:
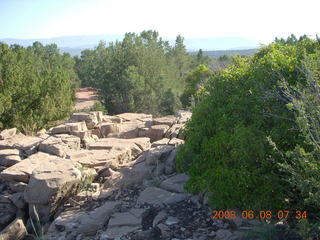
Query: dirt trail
pixel 85 98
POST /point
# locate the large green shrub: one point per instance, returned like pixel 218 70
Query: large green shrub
pixel 37 86
pixel 239 132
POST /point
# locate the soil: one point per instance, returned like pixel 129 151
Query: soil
pixel 85 98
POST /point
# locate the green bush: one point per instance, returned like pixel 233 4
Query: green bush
pixel 37 86
pixel 239 132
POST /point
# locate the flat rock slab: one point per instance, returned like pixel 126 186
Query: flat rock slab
pixel 167 120
pixel 28 144
pixel 175 183
pixel 161 142
pixel 137 145
pixel 134 116
pixel 21 171
pixel 95 158
pixel 157 132
pixel 60 145
pixel 158 196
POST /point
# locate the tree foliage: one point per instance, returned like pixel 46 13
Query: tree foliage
pixel 141 73
pixel 242 134
pixel 37 86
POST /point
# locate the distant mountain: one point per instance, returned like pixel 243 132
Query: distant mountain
pixel 75 44
pixel 218 53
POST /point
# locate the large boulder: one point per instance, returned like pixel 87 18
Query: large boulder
pixel 7 133
pixel 51 183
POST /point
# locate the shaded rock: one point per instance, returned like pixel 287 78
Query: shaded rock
pixel 17 186
pixel 18 200
pixel 159 217
pixel 157 132
pixel 173 131
pixel 123 223
pixel 170 164
pixel 86 223
pixel 143 132
pixel 158 196
pixel 14 231
pixel 161 153
pixel 175 183
pixel 7 133
pixel 223 234
pixel 9 157
pixel 7 210
pixel 167 120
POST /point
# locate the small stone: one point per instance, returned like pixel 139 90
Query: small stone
pixel 171 221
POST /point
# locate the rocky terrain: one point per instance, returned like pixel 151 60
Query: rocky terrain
pixel 103 177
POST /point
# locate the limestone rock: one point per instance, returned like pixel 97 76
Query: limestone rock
pixel 161 142
pixel 67 128
pixel 154 155
pixel 112 119
pixel 173 132
pixel 7 133
pixel 175 183
pixel 108 128
pixel 27 144
pixel 21 171
pixel 60 144
pixel 9 157
pixel 14 231
pixel 167 120
pixel 108 143
pixel 158 196
pixel 51 183
pixel 183 116
pixel 123 223
pixel 157 132
pixel 135 116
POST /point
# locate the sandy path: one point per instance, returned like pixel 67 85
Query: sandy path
pixel 85 98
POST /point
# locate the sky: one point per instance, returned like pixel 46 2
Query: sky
pixel 260 20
